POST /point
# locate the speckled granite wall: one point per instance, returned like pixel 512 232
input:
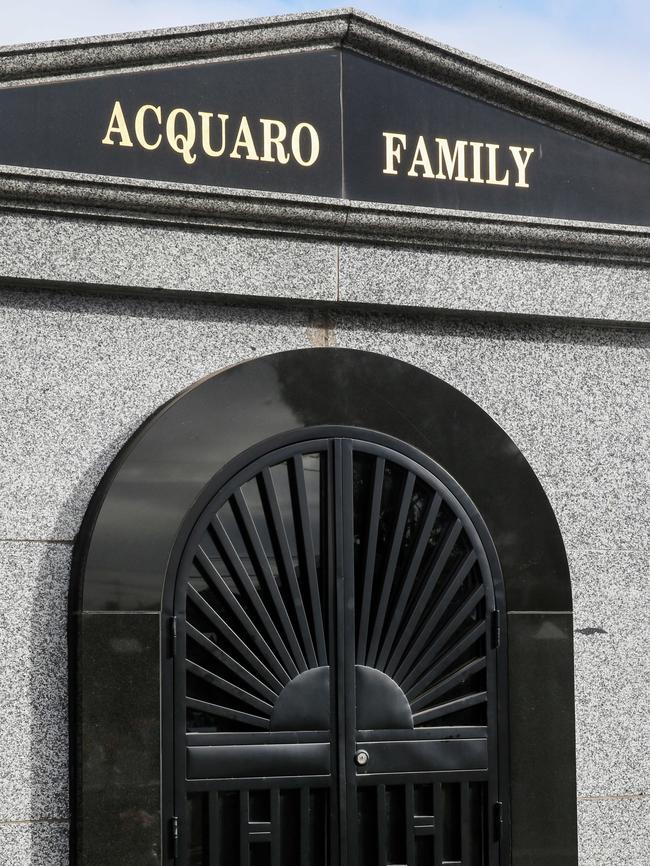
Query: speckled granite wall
pixel 79 373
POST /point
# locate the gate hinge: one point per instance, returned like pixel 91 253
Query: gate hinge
pixel 498 820
pixel 174 835
pixel 496 628
pixel 172 634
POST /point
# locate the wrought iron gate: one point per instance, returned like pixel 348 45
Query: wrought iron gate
pixel 336 667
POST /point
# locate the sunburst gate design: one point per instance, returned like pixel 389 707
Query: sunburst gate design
pixel 309 542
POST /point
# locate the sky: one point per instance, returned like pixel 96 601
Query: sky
pixel 598 49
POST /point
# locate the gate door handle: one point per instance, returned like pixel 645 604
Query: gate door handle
pixel 361 758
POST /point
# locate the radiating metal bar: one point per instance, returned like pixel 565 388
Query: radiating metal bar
pixel 227 713
pixel 263 569
pixel 397 614
pixel 426 628
pixel 467 607
pixel 230 663
pixel 236 566
pixel 226 686
pixel 441 664
pixel 218 583
pixel 449 682
pixel 270 500
pixel 450 707
pixel 297 477
pixel 391 565
pixel 370 558
pixel 232 637
pixel 426 591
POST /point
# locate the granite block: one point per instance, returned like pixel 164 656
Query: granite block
pixel 572 397
pixel 79 374
pixel 614 831
pixel 505 284
pixel 34 843
pixel 33 681
pixel 139 256
pixel 612 623
pixel 606 509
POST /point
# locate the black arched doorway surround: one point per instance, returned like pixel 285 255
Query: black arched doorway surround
pixel 321 614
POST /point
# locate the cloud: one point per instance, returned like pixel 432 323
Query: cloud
pixel 597 49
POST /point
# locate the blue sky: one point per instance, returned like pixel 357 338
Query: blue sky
pixel 597 49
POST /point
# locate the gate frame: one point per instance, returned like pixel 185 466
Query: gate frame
pixel 126 559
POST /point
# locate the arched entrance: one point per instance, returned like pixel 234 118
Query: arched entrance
pixel 336 670
pixel 291 597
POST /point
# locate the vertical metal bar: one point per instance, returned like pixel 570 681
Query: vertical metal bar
pixel 276 827
pixel 329 530
pixel 349 669
pixel 244 843
pixel 214 828
pixel 339 583
pixel 409 808
pixel 465 825
pixel 382 819
pixel 439 823
pixel 305 854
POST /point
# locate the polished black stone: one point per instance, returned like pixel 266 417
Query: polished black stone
pixel 351 101
pixel 118 740
pixel 542 739
pixel 152 489
pixel 127 557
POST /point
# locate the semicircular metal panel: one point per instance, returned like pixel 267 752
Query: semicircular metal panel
pixel 335 681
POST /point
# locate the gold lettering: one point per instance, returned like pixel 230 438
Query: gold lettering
pixel 117 126
pixel 139 126
pixel 393 153
pixel 521 163
pixel 450 162
pixel 421 158
pixel 296 144
pixel 272 142
pixel 182 142
pixel 492 167
pixel 244 139
pixel 476 162
pixel 206 117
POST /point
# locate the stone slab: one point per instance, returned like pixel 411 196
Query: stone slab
pixel 39 843
pixel 34 582
pixel 614 831
pixel 498 284
pixel 572 397
pixel 140 256
pixel 79 374
pixel 612 622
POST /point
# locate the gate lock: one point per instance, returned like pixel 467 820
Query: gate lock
pixel 361 758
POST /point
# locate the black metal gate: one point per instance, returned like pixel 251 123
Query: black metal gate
pixel 335 686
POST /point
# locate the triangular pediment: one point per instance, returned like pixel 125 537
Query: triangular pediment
pixel 336 105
